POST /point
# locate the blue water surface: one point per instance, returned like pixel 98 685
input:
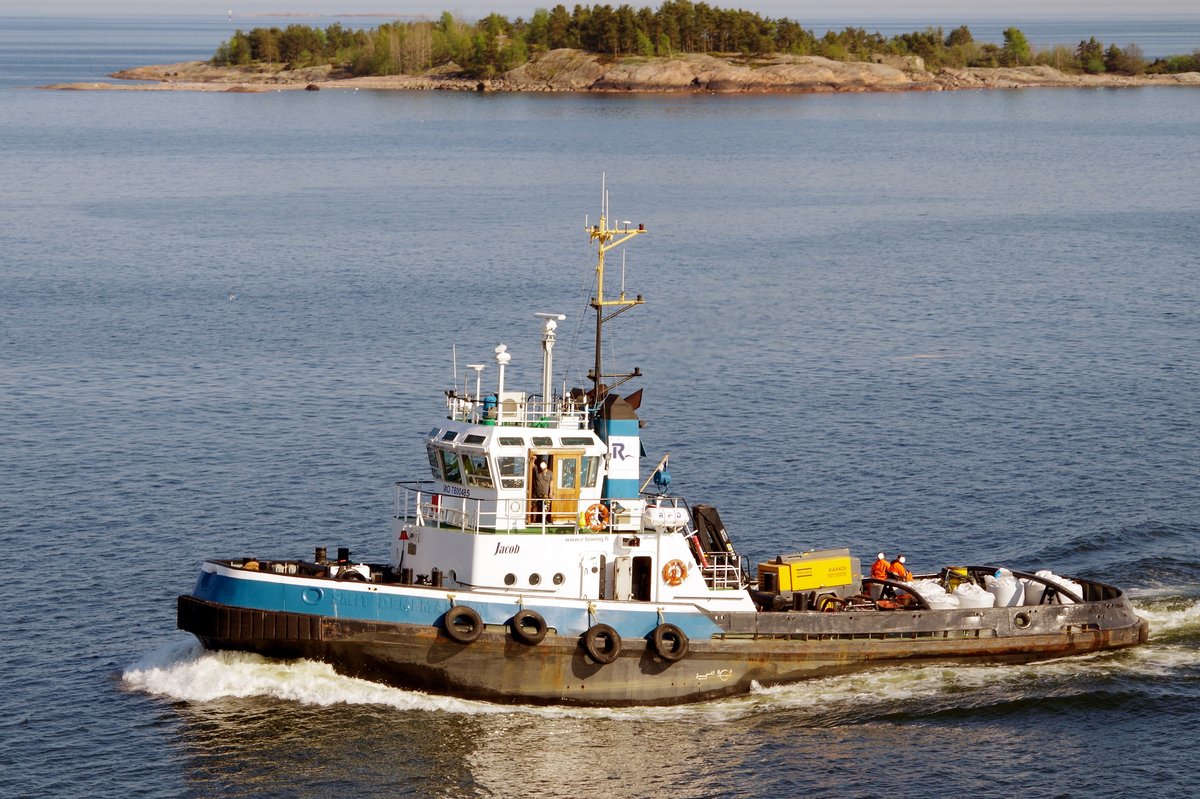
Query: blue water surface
pixel 961 324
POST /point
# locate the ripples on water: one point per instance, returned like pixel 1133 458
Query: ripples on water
pixel 961 324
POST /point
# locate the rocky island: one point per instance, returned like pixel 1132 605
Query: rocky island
pixel 571 70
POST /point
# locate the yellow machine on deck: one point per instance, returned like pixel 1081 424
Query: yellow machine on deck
pixel 807 578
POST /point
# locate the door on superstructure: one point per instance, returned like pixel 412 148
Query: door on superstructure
pixel 591 576
pixel 568 477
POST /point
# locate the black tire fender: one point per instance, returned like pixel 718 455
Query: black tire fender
pixel 462 624
pixel 669 642
pixel 601 643
pixel 528 627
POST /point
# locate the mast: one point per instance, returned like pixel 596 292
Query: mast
pixel 608 238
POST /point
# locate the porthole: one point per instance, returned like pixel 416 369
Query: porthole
pixel 558 578
pixel 510 578
pixel 534 579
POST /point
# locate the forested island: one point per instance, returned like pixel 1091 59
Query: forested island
pixel 495 45
pixel 681 46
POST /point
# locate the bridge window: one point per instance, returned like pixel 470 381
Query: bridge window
pixel 568 441
pixel 511 441
pixel 474 439
pixel 591 468
pixel 449 435
pixel 512 471
pixel 476 464
pixel 543 441
pixel 434 465
pixel 451 466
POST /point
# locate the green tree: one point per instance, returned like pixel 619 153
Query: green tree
pixel 1091 56
pixel 959 36
pixel 1016 48
pixel 1126 62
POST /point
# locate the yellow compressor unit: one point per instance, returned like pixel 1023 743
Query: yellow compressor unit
pixel 806 578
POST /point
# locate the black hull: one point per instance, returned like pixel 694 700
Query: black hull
pixel 498 668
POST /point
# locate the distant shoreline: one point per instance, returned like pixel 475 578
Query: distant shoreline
pixel 575 71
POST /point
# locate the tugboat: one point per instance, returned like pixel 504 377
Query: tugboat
pixel 535 566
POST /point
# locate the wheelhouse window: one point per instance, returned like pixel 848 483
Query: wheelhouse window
pixel 543 441
pixel 450 435
pixel 473 439
pixel 435 465
pixel 476 465
pixel 512 471
pixel 451 467
pixel 581 441
pixel 591 470
pixel 511 441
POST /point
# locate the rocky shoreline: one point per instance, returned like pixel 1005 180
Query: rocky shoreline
pixel 577 71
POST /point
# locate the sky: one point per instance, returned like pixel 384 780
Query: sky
pixel 867 10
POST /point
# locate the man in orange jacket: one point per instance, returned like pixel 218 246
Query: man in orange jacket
pixel 879 569
pixel 898 571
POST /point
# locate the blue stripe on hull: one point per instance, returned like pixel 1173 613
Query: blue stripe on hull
pixel 425 608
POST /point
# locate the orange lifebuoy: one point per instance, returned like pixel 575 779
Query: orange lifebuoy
pixel 674 572
pixel 595 518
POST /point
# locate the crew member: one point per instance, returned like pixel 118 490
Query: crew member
pixel 879 569
pixel 898 571
pixel 541 492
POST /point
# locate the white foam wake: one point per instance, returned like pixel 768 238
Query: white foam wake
pixel 186 671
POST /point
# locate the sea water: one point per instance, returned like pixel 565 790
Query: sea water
pixel 963 325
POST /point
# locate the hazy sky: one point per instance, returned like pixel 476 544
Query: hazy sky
pixel 933 10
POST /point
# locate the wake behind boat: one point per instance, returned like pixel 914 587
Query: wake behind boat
pixel 534 565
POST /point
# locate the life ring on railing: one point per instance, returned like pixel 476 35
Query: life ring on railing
pixel 528 627
pixel 669 642
pixel 602 643
pixel 462 624
pixel 594 517
pixel 674 572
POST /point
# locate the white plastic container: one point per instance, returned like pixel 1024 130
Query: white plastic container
pixel 970 595
pixel 933 593
pixel 1007 589
pixel 1034 589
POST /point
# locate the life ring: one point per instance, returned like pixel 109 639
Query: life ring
pixel 528 627
pixel 601 643
pixel 669 642
pixel 674 572
pixel 462 624
pixel 594 517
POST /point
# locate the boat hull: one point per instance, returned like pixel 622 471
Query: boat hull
pixel 757 648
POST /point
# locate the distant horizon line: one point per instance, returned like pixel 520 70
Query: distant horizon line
pixel 857 16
